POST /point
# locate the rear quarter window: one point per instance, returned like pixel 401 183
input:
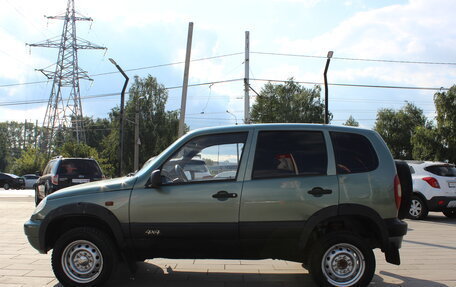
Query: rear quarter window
pixel 354 153
pixel 442 170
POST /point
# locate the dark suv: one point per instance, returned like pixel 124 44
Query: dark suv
pixel 62 172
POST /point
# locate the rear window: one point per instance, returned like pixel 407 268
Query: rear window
pixel 442 170
pixel 354 153
pixel 77 167
pixel 289 153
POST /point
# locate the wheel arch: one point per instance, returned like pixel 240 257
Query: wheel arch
pixel 356 218
pixel 75 215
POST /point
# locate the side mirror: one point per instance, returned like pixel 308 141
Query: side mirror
pixel 155 179
pixel 37 173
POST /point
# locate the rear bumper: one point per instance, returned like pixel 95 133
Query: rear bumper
pixel 396 231
pixel 440 203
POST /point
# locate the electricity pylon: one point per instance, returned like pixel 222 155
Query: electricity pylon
pixel 65 112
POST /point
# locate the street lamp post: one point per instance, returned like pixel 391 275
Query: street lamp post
pixel 329 56
pixel 235 118
pixel 121 120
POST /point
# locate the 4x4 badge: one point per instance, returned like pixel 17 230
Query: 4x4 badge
pixel 152 232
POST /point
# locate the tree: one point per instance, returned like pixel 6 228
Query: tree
pixel 30 161
pixel 288 103
pixel 426 144
pixel 445 104
pixel 397 128
pixel 4 146
pixel 351 122
pixel 158 127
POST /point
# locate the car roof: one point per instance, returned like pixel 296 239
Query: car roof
pixel 427 163
pixel 277 126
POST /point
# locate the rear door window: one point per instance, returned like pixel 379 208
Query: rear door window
pixel 354 153
pixel 442 170
pixel 289 153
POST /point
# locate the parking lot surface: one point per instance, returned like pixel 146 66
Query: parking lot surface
pixel 428 259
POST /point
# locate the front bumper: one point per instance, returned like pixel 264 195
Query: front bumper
pixel 32 230
pixel 440 203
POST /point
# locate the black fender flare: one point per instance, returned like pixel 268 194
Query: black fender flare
pixel 344 210
pixel 82 209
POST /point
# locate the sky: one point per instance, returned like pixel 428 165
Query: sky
pixel 285 37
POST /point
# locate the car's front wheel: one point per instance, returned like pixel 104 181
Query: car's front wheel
pixel 450 213
pixel 342 259
pixel 84 256
pixel 6 186
pixel 418 208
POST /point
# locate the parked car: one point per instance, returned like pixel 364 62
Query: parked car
pixel 8 181
pixel 434 189
pixel 321 195
pixel 63 172
pixel 30 180
pixel 193 168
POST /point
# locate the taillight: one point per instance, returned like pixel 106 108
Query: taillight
pixel 397 192
pixel 55 179
pixel 431 181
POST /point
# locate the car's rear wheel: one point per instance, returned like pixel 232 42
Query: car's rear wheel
pixel 418 209
pixel 84 256
pixel 450 213
pixel 6 186
pixel 342 259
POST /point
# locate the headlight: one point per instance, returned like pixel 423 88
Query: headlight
pixel 40 206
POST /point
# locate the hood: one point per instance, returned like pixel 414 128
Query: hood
pixel 115 184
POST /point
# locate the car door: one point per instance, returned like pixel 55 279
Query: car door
pixel 290 178
pixel 192 216
pixel 45 178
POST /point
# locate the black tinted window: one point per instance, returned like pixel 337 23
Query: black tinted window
pixel 289 153
pixel 442 170
pixel 354 153
pixel 87 168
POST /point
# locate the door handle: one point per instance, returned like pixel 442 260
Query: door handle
pixel 318 191
pixel 224 195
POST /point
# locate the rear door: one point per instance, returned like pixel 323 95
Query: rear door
pixel 290 178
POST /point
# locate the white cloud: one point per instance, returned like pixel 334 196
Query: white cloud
pixel 28 113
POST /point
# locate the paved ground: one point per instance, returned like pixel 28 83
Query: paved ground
pixel 428 260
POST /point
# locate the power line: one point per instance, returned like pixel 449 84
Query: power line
pixel 131 70
pixel 357 59
pixel 356 85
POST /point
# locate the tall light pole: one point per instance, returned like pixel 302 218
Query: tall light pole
pixel 121 120
pixel 329 56
pixel 185 83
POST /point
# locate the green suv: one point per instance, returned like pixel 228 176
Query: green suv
pixel 321 195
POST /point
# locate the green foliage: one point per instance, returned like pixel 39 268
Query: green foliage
pixel 30 161
pixel 445 104
pixel 426 144
pixel 288 103
pixel 351 122
pixel 397 128
pixel 157 127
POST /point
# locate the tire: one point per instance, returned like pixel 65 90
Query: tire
pixel 405 178
pixel 6 186
pixel 418 209
pixel 84 256
pixel 450 213
pixel 342 259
